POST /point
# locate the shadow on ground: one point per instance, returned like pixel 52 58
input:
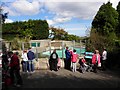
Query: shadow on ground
pixel 68 79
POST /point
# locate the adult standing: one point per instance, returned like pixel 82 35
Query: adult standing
pixel 68 59
pixel 24 61
pixel 95 60
pixel 15 69
pixel 53 60
pixel 31 57
pixel 104 58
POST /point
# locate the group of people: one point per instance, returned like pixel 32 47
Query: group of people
pixel 11 69
pixel 11 62
pixel 11 66
pixel 97 61
pixel 71 56
pixel 28 61
pixel 71 59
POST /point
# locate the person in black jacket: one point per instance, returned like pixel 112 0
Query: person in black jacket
pixel 53 60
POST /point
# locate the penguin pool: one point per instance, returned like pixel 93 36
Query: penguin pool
pixel 61 53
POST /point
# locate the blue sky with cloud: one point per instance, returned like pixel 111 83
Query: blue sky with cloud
pixel 74 16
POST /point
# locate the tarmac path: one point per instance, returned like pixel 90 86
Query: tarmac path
pixel 68 79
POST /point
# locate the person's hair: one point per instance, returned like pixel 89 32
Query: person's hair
pixel 105 49
pixel 74 50
pixel 54 50
pixel 96 51
pixel 25 51
pixel 29 48
pixel 10 52
pixel 16 53
pixel 67 47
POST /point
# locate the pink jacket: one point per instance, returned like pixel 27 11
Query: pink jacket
pixel 59 63
pixel 74 57
pixel 94 58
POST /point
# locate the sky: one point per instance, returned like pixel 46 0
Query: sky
pixel 74 16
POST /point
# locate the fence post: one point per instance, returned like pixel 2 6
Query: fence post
pixel 80 47
pixel 22 45
pixel 36 51
pixel 73 44
pixel 50 47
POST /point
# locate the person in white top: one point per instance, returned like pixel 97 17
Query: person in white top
pixel 104 58
pixel 24 61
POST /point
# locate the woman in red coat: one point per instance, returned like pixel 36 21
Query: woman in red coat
pixel 95 60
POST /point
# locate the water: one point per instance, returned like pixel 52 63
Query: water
pixel 59 52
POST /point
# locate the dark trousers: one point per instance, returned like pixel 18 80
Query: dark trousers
pixel 53 65
pixel 95 68
pixel 103 64
pixel 68 64
pixel 15 76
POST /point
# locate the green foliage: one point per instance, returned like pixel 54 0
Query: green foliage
pixel 31 29
pixel 60 34
pixel 72 37
pixel 118 27
pixel 15 45
pixel 105 32
pixel 106 19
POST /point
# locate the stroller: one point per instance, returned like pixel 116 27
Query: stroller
pixel 84 66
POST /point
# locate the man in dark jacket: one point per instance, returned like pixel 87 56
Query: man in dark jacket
pixel 53 61
pixel 31 57
pixel 68 59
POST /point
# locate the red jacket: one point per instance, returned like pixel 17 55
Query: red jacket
pixel 74 57
pixel 14 63
pixel 94 58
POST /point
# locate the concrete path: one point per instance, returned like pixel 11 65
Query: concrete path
pixel 67 79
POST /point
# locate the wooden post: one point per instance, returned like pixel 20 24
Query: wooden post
pixel 22 45
pixel 62 50
pixel 36 51
pixel 80 47
pixel 50 47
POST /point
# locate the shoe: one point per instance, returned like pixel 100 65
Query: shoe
pixel 18 85
pixel 33 72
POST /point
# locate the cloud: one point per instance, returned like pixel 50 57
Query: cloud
pixel 74 0
pixel 50 22
pixel 80 10
pixel 24 7
pixel 57 20
pixel 8 21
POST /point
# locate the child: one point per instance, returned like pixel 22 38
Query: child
pixel 59 64
pixel 83 65
pixel 74 60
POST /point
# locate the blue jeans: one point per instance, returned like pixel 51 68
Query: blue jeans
pixel 30 66
pixel 25 65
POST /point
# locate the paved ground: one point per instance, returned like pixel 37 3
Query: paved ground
pixel 67 79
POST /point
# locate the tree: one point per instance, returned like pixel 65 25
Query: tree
pixel 3 16
pixel 31 29
pixel 57 33
pixel 104 27
pixel 118 27
pixel 106 19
